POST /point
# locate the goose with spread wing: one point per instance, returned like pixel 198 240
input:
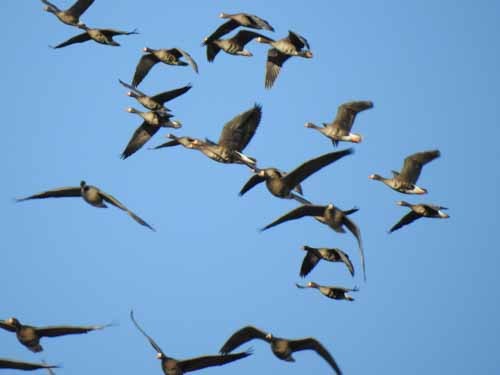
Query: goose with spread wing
pixel 101 36
pixel 21 365
pixel 281 347
pixel 70 16
pixel 333 292
pixel 232 46
pixel 418 211
pixel 90 194
pixel 315 254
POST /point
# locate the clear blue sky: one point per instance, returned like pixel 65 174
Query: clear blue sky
pixel 431 302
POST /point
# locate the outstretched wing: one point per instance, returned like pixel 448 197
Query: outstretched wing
pixel 297 40
pixel 310 261
pixel 80 38
pixel 297 213
pixel 303 171
pixel 313 344
pixel 245 36
pixel 115 202
pixel 253 181
pixel 275 60
pixel 410 217
pixel 344 258
pixel 238 132
pixel 143 67
pixel 79 7
pixel 113 32
pixel 198 363
pixel 132 88
pixel 151 341
pixel 353 228
pixel 171 94
pixel 242 336
pixel 18 365
pixel 141 135
pixel 179 52
pixel 413 164
pixel 212 51
pixel 55 331
pixel 223 29
pixel 55 193
pixel 347 112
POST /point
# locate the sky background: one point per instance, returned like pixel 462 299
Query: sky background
pixel 431 301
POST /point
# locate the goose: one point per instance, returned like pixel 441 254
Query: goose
pixel 90 194
pixel 340 128
pixel 235 20
pixel 70 16
pixel 281 185
pixel 418 211
pixel 21 365
pixel 172 366
pixel 281 347
pixel 153 121
pixel 235 136
pixel 30 336
pixel 232 46
pixel 281 51
pixel 156 102
pixel 330 215
pixel 102 36
pixel 405 181
pixel 333 292
pixel 170 56
pixel 314 255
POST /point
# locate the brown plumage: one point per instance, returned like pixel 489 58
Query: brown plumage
pixel 235 20
pixel 418 211
pixel 70 16
pixel 314 255
pixel 90 194
pixel 172 366
pixel 232 46
pixel 330 215
pixel 333 292
pixel 101 36
pixel 21 365
pixel 30 336
pixel 170 56
pixel 340 128
pixel 405 181
pixel 282 348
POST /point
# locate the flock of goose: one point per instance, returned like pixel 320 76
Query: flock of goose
pixel 234 137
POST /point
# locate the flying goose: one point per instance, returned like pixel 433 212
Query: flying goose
pixel 90 194
pixel 30 336
pixel 281 51
pixel 102 36
pixel 153 121
pixel 281 347
pixel 235 136
pixel 232 46
pixel 171 366
pixel 70 16
pixel 156 102
pixel 281 185
pixel 235 20
pixel 418 211
pixel 340 128
pixel 405 181
pixel 21 365
pixel 170 56
pixel 333 292
pixel 314 255
pixel 330 215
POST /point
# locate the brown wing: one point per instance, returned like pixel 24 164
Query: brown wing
pixel 169 95
pixel 212 51
pixel 257 22
pixel 115 202
pixel 303 171
pixel 297 213
pixel 151 341
pixel 79 7
pixel 55 331
pixel 51 5
pixel 132 88
pixel 55 193
pixel 242 336
pixel 353 228
pixel 275 60
pixel 413 164
pixel 313 344
pixel 179 52
pixel 245 36
pixel 298 40
pixel 7 326
pixel 80 38
pixel 141 135
pixel 253 181
pixel 238 132
pixel 309 262
pixel 143 67
pixel 347 112
pixel 113 32
pixel 18 365
pixel 346 260
pixel 223 29
pixel 410 217
pixel 210 360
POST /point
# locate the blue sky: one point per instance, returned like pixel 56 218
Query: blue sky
pixel 430 302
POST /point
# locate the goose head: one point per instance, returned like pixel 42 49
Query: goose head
pixel 269 336
pixel 131 110
pixel 376 177
pixel 83 184
pixel 312 284
pixel 13 321
pixel 160 355
pixel 224 15
pixel 310 125
pixel 147 49
pixel 132 94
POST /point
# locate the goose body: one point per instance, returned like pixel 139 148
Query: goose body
pixel 333 292
pixel 314 255
pixel 70 16
pixel 101 36
pixel 418 211
pixel 405 181
pixel 232 46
